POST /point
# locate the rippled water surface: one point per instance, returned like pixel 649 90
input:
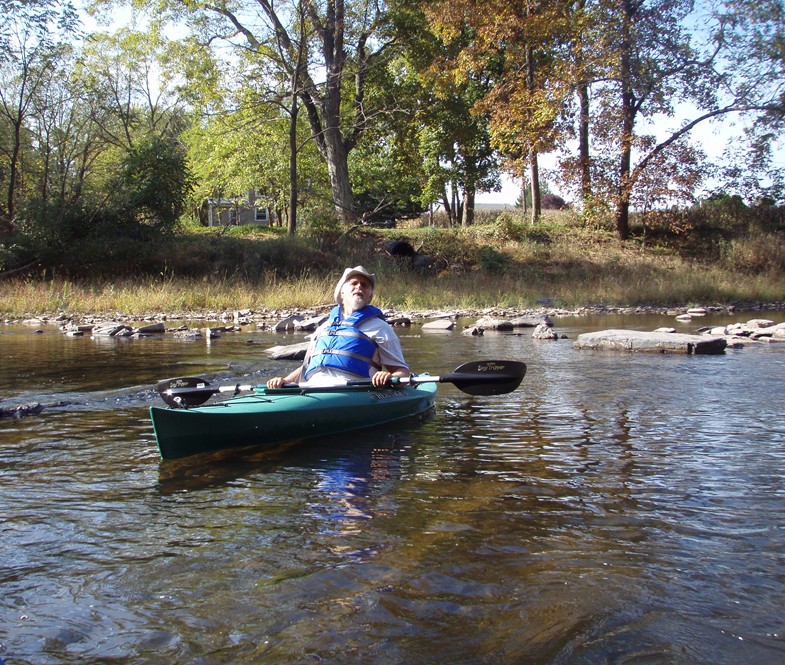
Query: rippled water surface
pixel 619 508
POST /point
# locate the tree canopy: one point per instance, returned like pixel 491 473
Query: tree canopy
pixel 377 110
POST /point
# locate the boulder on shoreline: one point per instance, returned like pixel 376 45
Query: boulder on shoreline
pixel 656 342
pixel 440 325
pixel 287 351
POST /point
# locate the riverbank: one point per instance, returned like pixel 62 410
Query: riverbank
pixel 558 266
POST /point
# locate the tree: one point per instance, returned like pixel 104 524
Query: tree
pixel 386 166
pixel 512 47
pixel 152 185
pixel 346 44
pixel 458 159
pixel 247 146
pixel 755 31
pixel 660 63
pixel 452 136
pixel 31 43
pixel 131 92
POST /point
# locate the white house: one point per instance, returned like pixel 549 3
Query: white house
pixel 237 211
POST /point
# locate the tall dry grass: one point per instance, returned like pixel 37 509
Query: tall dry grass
pixel 505 262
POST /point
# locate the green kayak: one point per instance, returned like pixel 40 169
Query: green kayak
pixel 271 417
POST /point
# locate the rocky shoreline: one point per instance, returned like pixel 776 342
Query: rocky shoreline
pixel 270 317
pixel 212 324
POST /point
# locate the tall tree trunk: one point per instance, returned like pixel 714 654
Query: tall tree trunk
pixel 293 186
pixel 627 124
pixel 338 170
pixel 584 110
pixel 7 223
pixel 294 112
pixel 335 146
pixel 583 141
pixel 468 211
pixel 524 191
pixel 534 175
pixel 447 203
pixel 534 167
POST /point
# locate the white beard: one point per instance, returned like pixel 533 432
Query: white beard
pixel 354 303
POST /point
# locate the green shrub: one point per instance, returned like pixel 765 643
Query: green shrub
pixel 322 226
pixel 508 227
pixel 493 260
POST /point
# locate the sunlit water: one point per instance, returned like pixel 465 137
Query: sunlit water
pixel 620 508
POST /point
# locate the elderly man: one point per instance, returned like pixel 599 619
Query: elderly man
pixel 354 343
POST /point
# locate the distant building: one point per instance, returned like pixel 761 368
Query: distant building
pixel 236 212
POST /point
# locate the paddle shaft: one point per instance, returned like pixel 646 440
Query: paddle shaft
pixel 489 377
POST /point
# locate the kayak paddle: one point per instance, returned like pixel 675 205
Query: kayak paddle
pixel 480 377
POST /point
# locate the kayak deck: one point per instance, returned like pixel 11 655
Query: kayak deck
pixel 272 417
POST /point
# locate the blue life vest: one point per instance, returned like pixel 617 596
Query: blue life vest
pixel 343 346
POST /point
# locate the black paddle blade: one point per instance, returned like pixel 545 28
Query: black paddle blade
pixel 185 391
pixel 487 377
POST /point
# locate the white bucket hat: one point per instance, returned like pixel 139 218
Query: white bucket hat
pixel 348 274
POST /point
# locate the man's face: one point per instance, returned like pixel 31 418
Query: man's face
pixel 356 293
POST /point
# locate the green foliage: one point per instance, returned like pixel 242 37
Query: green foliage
pixel 49 228
pixel 493 260
pixel 386 175
pixel 148 197
pixel 323 227
pixel 247 149
pixel 508 227
pixel 152 186
pixel 14 251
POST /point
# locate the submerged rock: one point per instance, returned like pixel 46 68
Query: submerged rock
pixel 21 410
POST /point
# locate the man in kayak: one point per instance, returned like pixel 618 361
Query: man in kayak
pixel 354 343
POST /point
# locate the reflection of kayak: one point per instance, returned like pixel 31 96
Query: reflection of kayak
pixel 274 416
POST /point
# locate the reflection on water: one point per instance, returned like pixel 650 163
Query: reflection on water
pixel 616 508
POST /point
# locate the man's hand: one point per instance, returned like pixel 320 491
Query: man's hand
pixel 275 383
pixel 381 378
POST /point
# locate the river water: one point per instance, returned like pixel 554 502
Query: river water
pixel 616 508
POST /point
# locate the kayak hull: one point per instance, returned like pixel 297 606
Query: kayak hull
pixel 270 418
